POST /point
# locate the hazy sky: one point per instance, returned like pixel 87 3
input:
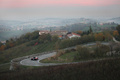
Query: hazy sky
pixel 58 8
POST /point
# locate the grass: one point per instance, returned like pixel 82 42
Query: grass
pixel 24 67
pixel 70 56
pixel 52 61
pixel 23 50
pixel 99 70
pixel 67 57
pixel 4 68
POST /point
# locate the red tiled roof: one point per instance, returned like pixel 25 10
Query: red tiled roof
pixel 60 35
pixel 69 35
pixel 75 34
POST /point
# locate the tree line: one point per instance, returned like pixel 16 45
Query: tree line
pixel 35 38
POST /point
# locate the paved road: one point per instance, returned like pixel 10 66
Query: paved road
pixel 104 43
pixel 29 62
pixel 115 40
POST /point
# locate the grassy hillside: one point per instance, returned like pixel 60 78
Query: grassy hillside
pixel 4 68
pixel 23 50
pixel 100 70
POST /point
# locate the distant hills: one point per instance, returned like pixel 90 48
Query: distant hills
pixel 116 20
pixel 45 22
pixel 15 28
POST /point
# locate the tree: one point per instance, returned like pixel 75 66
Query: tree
pixel 54 38
pixel 27 36
pixel 118 29
pixel 90 30
pixel 57 45
pixel 0 44
pixel 108 36
pixel 101 50
pixel 99 37
pixel 84 39
pixel 34 35
pixel 79 32
pixel 82 53
pixel 45 38
pixel 90 38
pixel 2 48
pixel 115 33
pixel 11 40
pixel 117 49
pixel 11 44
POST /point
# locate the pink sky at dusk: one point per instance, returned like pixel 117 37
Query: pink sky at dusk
pixel 32 3
pixel 59 8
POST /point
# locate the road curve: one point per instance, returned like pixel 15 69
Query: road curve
pixel 115 40
pixel 29 62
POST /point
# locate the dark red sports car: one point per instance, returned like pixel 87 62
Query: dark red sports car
pixel 34 58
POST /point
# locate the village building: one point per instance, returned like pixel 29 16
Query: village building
pixel 62 36
pixel 44 32
pixel 60 32
pixel 73 35
pixel 3 42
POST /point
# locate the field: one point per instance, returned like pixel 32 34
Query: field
pixel 99 70
pixel 66 57
pixel 23 50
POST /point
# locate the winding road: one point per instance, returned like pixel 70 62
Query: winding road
pixel 115 40
pixel 29 62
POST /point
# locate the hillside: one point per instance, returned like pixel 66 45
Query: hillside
pixel 100 70
pixel 85 26
pixel 116 20
pixel 15 28
pixel 24 50
pixel 32 43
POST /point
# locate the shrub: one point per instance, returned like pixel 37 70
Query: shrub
pixel 101 50
pixel 82 53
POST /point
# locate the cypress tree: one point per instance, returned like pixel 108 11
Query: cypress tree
pixel 90 30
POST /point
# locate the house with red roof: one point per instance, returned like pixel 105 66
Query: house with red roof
pixel 60 37
pixel 56 32
pixel 73 35
pixel 59 32
pixel 44 32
